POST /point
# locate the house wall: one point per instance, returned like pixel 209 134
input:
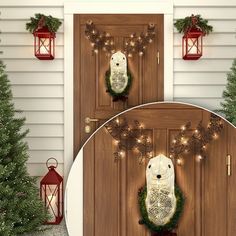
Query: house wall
pixel 202 82
pixel 38 86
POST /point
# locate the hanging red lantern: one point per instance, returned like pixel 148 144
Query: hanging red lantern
pixel 192 41
pixel 44 29
pixel 51 193
pixel 44 44
pixel 194 28
pixel 192 44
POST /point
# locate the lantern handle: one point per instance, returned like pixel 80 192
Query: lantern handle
pixel 47 163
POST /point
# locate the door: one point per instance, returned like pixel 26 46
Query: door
pixel 90 96
pixel 110 189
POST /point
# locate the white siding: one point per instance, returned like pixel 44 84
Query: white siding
pixel 202 82
pixel 38 86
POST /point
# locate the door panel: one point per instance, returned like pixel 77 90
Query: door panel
pixel 231 204
pixel 214 182
pixel 90 96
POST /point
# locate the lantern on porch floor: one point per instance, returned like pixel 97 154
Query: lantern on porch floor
pixel 51 193
pixel 44 44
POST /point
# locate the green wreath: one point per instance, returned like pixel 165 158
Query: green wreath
pixel 172 224
pixel 124 93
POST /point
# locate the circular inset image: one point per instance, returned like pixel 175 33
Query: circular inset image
pixel 156 169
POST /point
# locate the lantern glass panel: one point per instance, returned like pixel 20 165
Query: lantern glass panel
pixel 52 197
pixel 44 46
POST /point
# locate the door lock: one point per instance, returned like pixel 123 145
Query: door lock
pixel 87 121
pixel 228 164
pixel 158 57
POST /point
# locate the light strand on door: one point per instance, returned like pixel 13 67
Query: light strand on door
pixel 196 142
pixel 130 137
pixel 138 139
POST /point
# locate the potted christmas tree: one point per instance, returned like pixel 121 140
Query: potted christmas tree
pixel 229 95
pixel 21 210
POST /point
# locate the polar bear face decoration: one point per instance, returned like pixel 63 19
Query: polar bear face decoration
pixel 161 200
pixel 118 66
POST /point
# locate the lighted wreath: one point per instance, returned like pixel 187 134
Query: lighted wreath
pixel 118 77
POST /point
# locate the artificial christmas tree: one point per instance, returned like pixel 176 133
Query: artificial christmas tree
pixel 229 95
pixel 21 210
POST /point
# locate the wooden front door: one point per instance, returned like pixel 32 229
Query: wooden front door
pixel 110 189
pixel 90 96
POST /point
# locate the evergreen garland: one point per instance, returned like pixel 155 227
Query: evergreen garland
pixel 21 210
pixel 229 95
pixel 183 25
pixel 172 224
pixel 117 96
pixel 50 22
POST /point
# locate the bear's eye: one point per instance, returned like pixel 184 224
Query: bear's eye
pixel 112 58
pixel 149 166
pixel 123 58
pixel 169 166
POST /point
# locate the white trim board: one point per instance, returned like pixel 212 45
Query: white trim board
pixel 128 7
pixel 29 3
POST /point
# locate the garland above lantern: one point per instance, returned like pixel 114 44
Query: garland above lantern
pixel 193 27
pixel 44 29
pixel 196 142
pixel 118 78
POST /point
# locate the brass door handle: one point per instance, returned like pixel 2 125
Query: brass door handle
pixel 158 57
pixel 87 121
pixel 228 164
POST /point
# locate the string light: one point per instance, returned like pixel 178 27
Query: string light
pixel 199 157
pixel 130 138
pixel 98 40
pixel 139 43
pixel 179 161
pixel 198 140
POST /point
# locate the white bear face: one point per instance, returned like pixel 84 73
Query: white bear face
pixel 118 62
pixel 160 171
pixel 118 78
pixel 160 200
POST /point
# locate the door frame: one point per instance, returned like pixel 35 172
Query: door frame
pixel 164 7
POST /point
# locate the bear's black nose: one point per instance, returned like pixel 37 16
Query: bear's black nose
pixel 117 64
pixel 158 176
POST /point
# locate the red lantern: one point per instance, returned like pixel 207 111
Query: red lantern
pixel 51 193
pixel 44 44
pixel 192 44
